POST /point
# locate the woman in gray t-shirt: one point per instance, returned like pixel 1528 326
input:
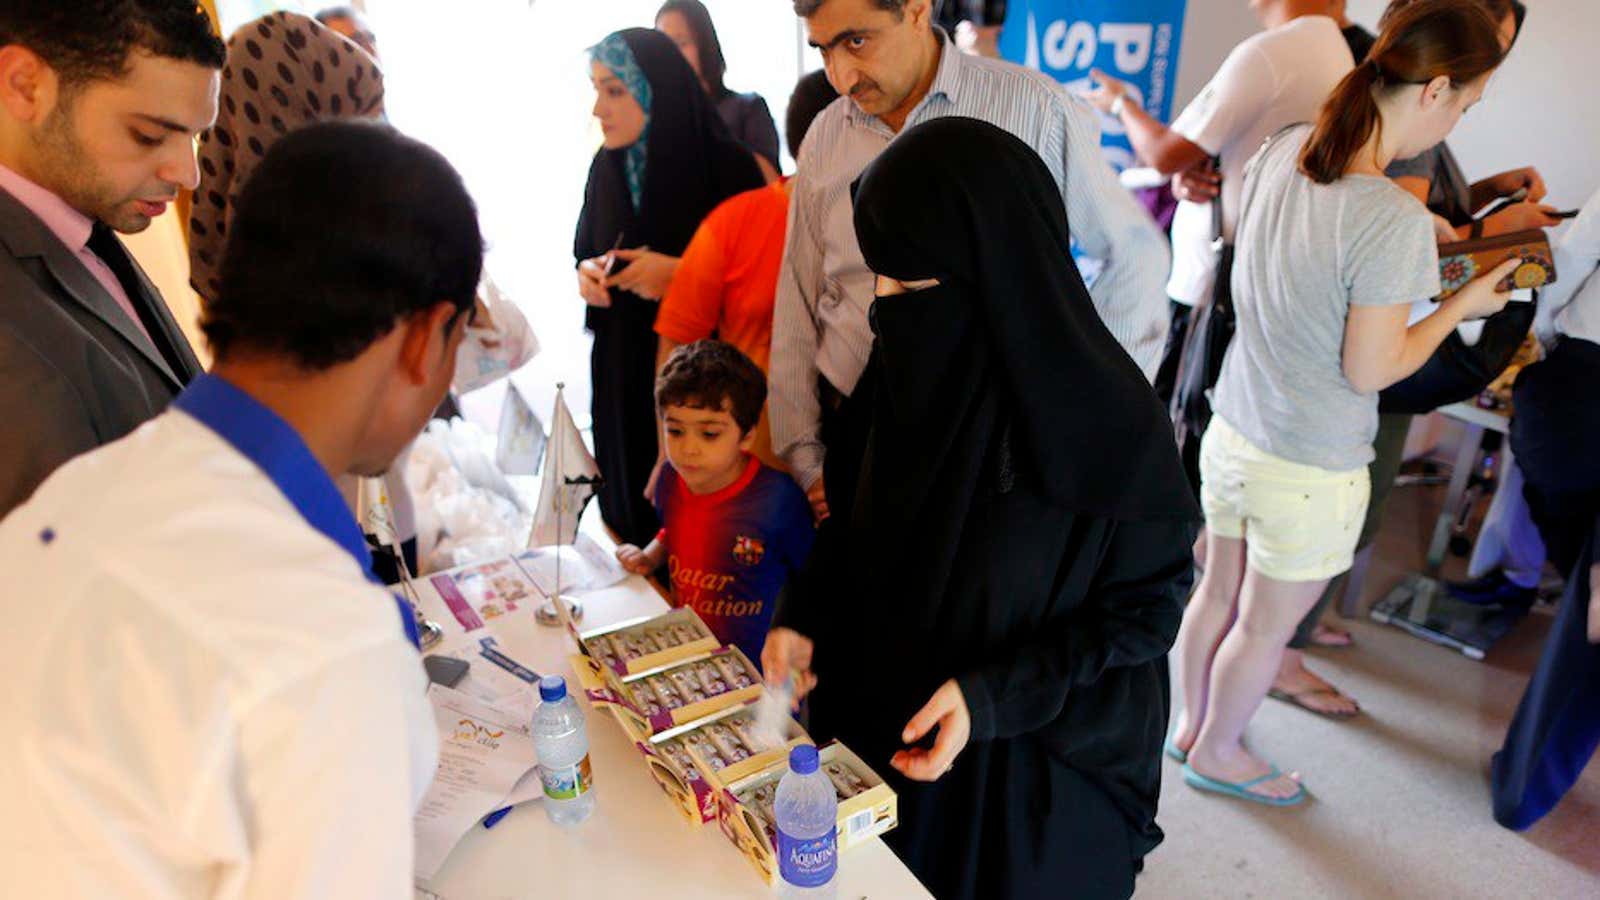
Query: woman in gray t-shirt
pixel 1330 257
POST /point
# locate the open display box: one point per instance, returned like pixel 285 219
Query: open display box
pixel 692 763
pixel 673 695
pixel 867 807
pixel 689 707
pixel 647 644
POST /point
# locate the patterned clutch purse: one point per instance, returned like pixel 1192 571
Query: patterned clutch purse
pixel 1462 261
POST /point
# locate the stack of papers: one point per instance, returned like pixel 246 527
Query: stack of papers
pixel 486 762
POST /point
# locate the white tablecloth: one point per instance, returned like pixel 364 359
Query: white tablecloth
pixel 636 845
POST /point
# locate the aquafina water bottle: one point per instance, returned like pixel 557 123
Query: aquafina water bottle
pixel 807 812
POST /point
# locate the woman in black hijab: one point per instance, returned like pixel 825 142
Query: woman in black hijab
pixel 1019 545
pixel 667 160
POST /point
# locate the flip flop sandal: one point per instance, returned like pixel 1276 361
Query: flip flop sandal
pixel 1241 790
pixel 1297 700
pixel 1173 753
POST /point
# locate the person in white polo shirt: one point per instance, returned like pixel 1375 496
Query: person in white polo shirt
pixel 206 695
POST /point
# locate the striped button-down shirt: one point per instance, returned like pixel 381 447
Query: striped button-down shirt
pixel 824 288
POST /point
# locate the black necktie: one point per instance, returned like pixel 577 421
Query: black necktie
pixel 104 244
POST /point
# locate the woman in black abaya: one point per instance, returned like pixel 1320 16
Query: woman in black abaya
pixel 1019 546
pixel 667 160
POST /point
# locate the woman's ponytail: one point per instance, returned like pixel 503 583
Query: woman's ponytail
pixel 1421 41
pixel 1347 120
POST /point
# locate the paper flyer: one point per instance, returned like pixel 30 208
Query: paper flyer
pixel 492 678
pixel 480 594
pixel 483 758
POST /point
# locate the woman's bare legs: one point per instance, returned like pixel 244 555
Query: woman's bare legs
pixel 1205 621
pixel 1244 667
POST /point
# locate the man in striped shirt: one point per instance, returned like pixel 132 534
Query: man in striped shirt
pixel 896 70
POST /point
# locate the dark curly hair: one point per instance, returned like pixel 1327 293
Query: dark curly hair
pixel 325 256
pixel 710 375
pixel 91 40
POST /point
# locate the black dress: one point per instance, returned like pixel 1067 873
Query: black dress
pixel 1021 525
pixel 691 165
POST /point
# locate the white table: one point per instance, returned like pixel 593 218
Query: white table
pixel 636 845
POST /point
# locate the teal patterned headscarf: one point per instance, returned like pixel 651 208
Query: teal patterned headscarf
pixel 614 54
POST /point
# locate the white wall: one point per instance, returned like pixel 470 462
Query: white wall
pixel 1542 109
pixel 1210 29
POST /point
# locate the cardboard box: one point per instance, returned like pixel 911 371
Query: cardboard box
pixel 685 681
pixel 647 644
pixel 690 769
pixel 691 794
pixel 862 816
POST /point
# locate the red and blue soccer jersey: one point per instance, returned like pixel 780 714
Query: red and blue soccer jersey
pixel 730 552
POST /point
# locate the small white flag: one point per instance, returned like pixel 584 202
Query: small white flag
pixel 570 478
pixel 521 439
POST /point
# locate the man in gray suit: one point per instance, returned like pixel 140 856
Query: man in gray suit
pixel 99 107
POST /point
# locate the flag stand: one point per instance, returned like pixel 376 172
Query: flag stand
pixel 561 610
pixel 429 633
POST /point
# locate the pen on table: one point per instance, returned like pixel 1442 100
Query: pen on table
pixel 493 819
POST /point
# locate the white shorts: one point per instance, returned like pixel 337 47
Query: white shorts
pixel 1299 522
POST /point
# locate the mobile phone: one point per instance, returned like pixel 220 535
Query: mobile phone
pixel 1566 214
pixel 445 670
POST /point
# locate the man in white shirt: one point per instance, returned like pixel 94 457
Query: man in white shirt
pixel 205 694
pixel 1273 79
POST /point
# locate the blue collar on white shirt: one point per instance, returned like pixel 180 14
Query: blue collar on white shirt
pixel 277 449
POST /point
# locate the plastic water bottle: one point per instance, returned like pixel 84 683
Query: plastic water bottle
pixel 562 742
pixel 807 813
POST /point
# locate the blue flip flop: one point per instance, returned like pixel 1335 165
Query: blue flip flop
pixel 1173 753
pixel 1241 790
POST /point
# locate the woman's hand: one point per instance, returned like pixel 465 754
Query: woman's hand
pixel 1521 217
pixel 1482 297
pixel 592 282
pixel 648 274
pixel 1507 183
pixel 947 709
pixel 788 652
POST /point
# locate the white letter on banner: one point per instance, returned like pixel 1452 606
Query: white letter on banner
pixel 1131 45
pixel 1072 48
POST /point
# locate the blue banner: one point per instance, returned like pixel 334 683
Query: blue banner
pixel 1134 40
